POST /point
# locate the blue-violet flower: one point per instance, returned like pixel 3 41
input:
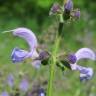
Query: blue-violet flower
pixel 85 72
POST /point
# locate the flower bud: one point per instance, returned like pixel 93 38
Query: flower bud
pixel 68 5
pixel 55 8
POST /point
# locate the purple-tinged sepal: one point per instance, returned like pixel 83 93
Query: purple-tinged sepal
pixel 72 58
pixel 55 9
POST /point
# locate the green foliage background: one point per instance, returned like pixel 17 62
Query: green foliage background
pixel 34 14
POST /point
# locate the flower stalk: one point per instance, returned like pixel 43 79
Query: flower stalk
pixel 53 62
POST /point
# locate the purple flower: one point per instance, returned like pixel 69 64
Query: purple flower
pixel 19 55
pixel 24 85
pixel 10 80
pixel 84 53
pixel 4 93
pixel 68 5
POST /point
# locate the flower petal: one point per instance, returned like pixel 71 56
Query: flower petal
pixel 28 35
pixel 85 53
pixel 86 73
pixel 36 64
pixel 18 55
pixel 33 54
pixel 73 66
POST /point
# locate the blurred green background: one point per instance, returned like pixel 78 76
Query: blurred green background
pixel 34 14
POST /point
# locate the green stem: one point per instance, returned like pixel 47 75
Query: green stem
pixel 52 67
pixel 52 71
pixel 61 24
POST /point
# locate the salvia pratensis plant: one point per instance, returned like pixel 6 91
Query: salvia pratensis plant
pixel 64 12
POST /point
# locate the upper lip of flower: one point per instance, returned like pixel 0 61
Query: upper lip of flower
pixel 85 53
pixel 27 35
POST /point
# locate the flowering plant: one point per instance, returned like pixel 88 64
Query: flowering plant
pixel 39 57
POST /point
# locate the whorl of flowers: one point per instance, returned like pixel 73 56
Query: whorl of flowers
pixel 38 58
